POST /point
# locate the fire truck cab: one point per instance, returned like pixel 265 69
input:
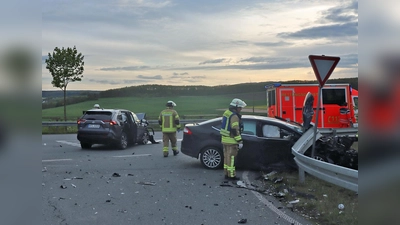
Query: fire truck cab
pixel 338 108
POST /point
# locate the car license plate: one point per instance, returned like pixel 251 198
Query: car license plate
pixel 94 126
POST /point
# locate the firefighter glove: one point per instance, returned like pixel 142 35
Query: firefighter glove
pixel 240 145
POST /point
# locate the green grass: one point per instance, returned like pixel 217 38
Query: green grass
pixel 152 106
pixel 318 200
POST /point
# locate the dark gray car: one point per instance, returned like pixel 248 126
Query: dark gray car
pixel 267 143
pixel 114 127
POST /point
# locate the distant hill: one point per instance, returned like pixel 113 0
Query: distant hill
pixel 156 90
pixel 60 94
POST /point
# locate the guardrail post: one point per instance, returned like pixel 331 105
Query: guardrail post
pixel 302 176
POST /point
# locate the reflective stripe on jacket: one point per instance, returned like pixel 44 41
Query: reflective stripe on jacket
pixel 169 120
pixel 230 128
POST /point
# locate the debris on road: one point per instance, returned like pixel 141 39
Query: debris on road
pixel 278 180
pixel 72 178
pixel 242 221
pixel 63 187
pixel 146 183
pixel 116 175
pixel 73 185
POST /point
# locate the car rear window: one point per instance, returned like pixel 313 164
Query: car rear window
pixel 103 115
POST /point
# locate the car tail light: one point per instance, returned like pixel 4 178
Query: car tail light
pixel 187 131
pixel 111 122
pixel 81 121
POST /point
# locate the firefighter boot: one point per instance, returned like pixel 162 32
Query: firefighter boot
pixel 176 152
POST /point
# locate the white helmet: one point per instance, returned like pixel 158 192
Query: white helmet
pixel 238 103
pixel 171 104
pixel 97 106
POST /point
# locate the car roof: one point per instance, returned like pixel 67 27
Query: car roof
pixel 260 118
pixel 101 110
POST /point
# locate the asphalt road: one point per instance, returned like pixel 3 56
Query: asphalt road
pixel 139 186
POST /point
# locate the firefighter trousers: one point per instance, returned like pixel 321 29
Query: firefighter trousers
pixel 230 153
pixel 169 137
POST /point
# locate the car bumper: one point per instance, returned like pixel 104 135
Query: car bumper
pixel 101 138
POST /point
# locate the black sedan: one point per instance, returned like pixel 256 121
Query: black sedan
pixel 267 143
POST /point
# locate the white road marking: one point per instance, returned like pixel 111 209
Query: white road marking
pixel 160 140
pixel 121 156
pixel 269 204
pixel 55 160
pixel 69 143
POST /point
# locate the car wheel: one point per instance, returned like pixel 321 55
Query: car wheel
pixel 144 139
pixel 123 141
pixel 85 145
pixel 212 158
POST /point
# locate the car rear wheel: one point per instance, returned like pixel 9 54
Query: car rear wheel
pixel 144 139
pixel 212 158
pixel 123 141
pixel 85 145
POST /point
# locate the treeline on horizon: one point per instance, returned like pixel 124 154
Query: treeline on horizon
pixel 156 90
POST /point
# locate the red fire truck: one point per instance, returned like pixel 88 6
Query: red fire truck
pixel 338 108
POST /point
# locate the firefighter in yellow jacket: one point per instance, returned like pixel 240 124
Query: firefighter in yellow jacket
pixel 231 136
pixel 169 122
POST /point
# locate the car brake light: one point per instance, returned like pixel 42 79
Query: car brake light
pixel 187 131
pixel 81 121
pixel 111 122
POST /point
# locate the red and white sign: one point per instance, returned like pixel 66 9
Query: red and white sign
pixel 323 66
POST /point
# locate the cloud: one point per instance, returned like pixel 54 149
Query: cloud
pixel 273 44
pixel 112 82
pixel 342 14
pixel 212 61
pixel 325 31
pixel 156 77
pixel 44 57
pixel 126 68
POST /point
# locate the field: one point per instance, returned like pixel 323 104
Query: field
pixel 186 105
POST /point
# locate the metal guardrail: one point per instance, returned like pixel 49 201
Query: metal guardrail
pixel 72 123
pixel 339 131
pixel 338 175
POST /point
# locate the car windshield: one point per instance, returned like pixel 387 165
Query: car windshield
pixel 97 115
pixel 295 126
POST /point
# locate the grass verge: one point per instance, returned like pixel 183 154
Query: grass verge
pixel 315 199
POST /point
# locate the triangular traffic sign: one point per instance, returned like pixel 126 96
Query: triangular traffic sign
pixel 323 66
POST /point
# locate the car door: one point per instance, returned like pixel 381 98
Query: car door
pixel 269 148
pixel 131 126
pixel 248 156
pixel 277 142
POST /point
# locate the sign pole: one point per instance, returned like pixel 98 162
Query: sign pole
pixel 323 67
pixel 316 121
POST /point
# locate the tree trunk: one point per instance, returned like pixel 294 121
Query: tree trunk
pixel 65 104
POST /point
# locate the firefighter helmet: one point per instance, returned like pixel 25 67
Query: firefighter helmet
pixel 96 106
pixel 238 103
pixel 171 104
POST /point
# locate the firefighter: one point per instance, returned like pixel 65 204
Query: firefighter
pixel 96 106
pixel 231 138
pixel 344 118
pixel 169 122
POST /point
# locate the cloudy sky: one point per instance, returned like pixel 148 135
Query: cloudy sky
pixel 184 42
